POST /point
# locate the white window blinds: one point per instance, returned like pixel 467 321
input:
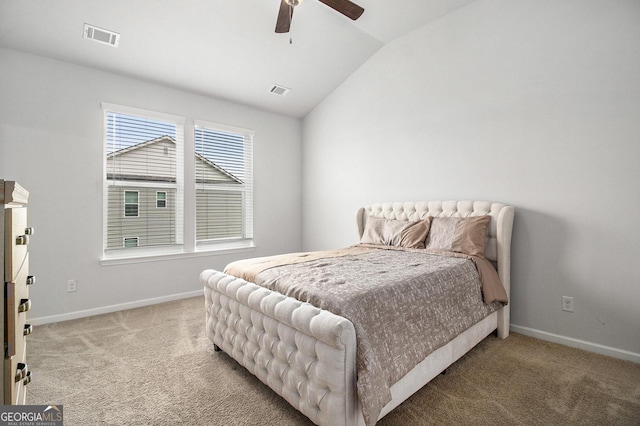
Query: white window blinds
pixel 143 158
pixel 224 183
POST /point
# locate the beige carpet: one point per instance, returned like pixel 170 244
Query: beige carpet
pixel 154 366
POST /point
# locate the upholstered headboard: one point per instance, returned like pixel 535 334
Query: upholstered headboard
pixel 498 246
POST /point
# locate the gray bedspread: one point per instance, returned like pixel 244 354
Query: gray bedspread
pixel 403 304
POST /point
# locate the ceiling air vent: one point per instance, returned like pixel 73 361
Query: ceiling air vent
pixel 101 35
pixel 280 90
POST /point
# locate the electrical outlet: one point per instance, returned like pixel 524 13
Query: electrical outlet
pixel 72 285
pixel 567 303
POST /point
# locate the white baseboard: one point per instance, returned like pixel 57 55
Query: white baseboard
pixel 576 343
pixel 532 332
pixel 113 308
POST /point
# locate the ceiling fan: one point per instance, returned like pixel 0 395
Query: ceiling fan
pixel 285 14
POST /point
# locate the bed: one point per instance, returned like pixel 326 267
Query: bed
pixel 306 348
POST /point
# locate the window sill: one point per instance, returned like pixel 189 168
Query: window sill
pixel 155 256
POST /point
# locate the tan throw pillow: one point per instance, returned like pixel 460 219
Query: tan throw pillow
pixel 460 234
pixel 398 233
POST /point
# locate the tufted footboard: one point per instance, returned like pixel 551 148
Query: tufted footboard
pixel 305 354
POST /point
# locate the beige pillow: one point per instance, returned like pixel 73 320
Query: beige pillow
pixel 398 233
pixel 460 234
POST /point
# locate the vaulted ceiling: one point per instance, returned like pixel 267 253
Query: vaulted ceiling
pixel 222 48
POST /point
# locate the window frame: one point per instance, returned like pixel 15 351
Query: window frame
pixel 177 243
pixel 184 196
pixel 124 242
pixel 246 240
pixel 125 203
pixel 163 200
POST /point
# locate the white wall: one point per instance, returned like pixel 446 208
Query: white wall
pixel 531 103
pixel 51 142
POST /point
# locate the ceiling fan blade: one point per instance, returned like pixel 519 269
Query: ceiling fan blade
pixel 347 8
pixel 284 18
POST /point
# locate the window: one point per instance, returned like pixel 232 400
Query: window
pixel 130 242
pixel 145 187
pixel 161 199
pixel 143 171
pixel 130 203
pixel 224 183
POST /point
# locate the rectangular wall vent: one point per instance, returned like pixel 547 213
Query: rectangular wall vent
pixel 101 35
pixel 280 90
